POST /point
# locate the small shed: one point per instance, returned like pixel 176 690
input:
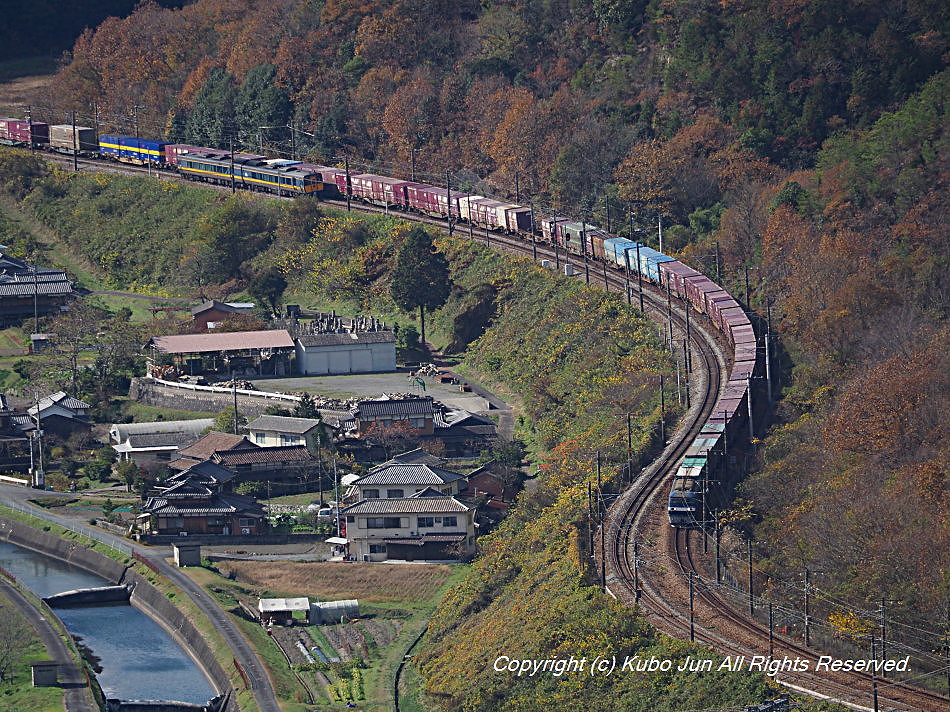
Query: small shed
pixel 323 612
pixel 281 610
pixel 186 554
pixel 45 673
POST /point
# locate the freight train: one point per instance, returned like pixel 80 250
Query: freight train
pixel 707 458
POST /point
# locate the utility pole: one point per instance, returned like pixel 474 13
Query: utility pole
pixel 883 631
pixel 751 593
pixel 749 399
pixel 349 182
pixel 293 142
pixel 771 637
pixel 748 296
pixel 662 412
pixel 234 393
pixel 669 312
pixel 584 250
pixel 692 628
pixel 75 148
pixel 607 209
pixel 231 146
pixel 29 121
pixel 626 274
pixel 636 571
pixel 639 279
pixel 807 609
pixel 718 276
pixel 448 197
pixel 534 242
pixel 686 369
pixel 768 348
pixel 659 229
pixel 718 560
pixel 629 439
pixel 412 165
pixel 517 187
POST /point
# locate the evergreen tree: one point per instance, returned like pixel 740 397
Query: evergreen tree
pixel 261 102
pixel 421 276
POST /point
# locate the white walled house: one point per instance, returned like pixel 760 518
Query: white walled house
pixel 396 480
pixel 428 526
pixel 277 430
pixel 336 354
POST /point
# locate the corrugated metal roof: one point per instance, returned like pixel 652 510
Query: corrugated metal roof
pixel 269 605
pixel 362 337
pixel 283 424
pixel 234 341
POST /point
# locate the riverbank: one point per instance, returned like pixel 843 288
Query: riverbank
pixel 165 607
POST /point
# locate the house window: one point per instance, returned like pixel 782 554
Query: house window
pixel 394 493
pixel 382 522
pixel 370 494
pixel 215 522
pixel 260 438
pixel 426 522
pixel 450 521
pixel 245 522
pixel 377 548
pixel 289 440
pixel 174 523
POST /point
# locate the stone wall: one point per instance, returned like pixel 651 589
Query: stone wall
pixel 150 393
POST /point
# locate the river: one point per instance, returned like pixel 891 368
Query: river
pixel 139 660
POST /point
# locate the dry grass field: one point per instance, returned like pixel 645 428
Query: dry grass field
pixel 333 580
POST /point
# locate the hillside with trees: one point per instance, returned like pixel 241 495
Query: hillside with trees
pixel 803 140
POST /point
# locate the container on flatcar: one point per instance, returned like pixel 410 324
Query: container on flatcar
pixel 67 138
pixel 20 132
pixel 650 260
pixel 488 212
pixel 595 243
pixel 576 236
pixel 551 229
pixel 468 206
pixel 696 290
pixel 614 252
pixel 518 219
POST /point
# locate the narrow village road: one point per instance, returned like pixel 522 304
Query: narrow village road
pixel 76 692
pixel 242 651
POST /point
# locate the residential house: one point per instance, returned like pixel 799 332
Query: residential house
pixel 395 480
pixel 417 413
pixel 275 430
pixel 462 433
pixel 207 315
pixel 205 447
pixel 189 507
pixel 61 414
pixel 155 443
pixel 281 463
pixel 428 525
pixel 27 290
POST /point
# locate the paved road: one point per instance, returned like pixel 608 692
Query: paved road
pixel 242 651
pixel 76 690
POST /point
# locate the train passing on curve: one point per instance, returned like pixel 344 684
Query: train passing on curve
pixel 706 463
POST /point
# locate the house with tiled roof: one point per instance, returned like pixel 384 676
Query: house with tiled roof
pixel 426 526
pixel 27 290
pixel 276 464
pixel 417 413
pixel 61 414
pixel 205 447
pixel 196 505
pixel 396 480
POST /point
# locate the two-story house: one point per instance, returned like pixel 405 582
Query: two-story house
pixel 417 413
pixel 427 525
pixel 276 430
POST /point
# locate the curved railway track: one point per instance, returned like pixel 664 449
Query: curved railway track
pixel 637 518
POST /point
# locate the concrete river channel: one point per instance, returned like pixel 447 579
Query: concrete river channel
pixel 139 660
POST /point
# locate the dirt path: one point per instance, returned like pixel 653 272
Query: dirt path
pixel 55 253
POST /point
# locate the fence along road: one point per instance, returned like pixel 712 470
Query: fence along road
pixel 248 664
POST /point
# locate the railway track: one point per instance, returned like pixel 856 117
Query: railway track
pixel 637 529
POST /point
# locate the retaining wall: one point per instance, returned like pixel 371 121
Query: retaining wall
pixel 203 401
pixel 145 596
pixel 70 551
